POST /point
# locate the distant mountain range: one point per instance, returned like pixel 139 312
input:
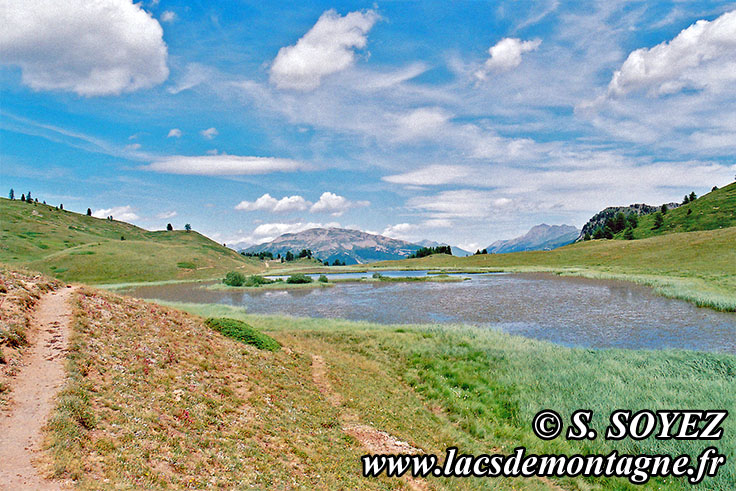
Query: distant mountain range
pixel 539 238
pixel 329 244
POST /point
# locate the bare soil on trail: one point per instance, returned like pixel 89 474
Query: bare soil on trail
pixel 33 391
pixel 373 440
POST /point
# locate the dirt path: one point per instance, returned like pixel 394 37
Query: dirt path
pixel 373 440
pixel 33 390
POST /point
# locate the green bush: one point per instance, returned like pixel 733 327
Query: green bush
pixel 234 278
pixel 299 278
pixel 256 280
pixel 322 278
pixel 242 332
pixel 186 265
pixel 377 276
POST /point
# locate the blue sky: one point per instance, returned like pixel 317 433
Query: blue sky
pixel 461 122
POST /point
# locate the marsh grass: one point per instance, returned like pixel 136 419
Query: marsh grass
pixel 482 387
pixel 135 284
pixel 276 285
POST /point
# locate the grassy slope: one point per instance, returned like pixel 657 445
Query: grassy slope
pixel 156 399
pixel 479 389
pixel 76 247
pixel 711 211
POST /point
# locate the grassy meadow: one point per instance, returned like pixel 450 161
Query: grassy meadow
pixel 435 386
pixel 75 247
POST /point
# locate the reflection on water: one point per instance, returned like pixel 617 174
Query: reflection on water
pixel 570 311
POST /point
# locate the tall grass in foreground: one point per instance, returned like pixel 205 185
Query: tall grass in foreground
pixel 490 384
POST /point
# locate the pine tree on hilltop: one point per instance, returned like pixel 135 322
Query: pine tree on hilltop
pixel 89 212
pixel 11 195
pixel 169 227
pixel 658 220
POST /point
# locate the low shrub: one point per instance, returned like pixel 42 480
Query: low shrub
pixel 234 278
pixel 377 276
pixel 186 265
pixel 242 332
pixel 299 278
pixel 256 280
pixel 322 278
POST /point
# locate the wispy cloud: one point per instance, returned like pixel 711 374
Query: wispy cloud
pixel 222 165
pixel 165 215
pixel 168 16
pixel 209 133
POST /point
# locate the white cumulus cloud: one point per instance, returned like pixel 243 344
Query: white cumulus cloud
pixel 505 55
pixel 122 213
pixel 174 133
pixel 701 56
pixel 269 203
pixel 222 165
pixel 89 48
pixel 328 47
pixel 335 204
pixel 399 231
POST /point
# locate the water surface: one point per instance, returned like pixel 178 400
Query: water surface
pixel 569 311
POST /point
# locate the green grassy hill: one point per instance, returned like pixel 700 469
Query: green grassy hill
pixel 76 247
pixel 711 211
